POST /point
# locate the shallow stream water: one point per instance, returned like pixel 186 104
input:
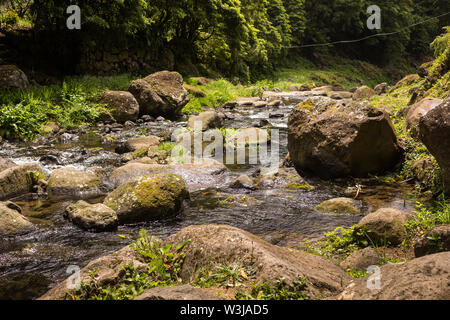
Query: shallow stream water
pixel 30 264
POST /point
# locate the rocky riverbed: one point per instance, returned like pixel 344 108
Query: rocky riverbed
pixel 272 207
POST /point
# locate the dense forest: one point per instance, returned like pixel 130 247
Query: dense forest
pixel 243 38
pixel 224 149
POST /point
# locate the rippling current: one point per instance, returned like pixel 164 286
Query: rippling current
pixel 31 264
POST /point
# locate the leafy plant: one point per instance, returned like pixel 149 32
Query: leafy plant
pixel 279 291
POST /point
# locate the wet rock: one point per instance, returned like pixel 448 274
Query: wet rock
pixel 67 137
pixel 69 183
pixel 18 180
pixel 339 95
pixel 160 119
pixel 123 104
pixel 129 124
pixel 139 143
pixel 184 292
pixel 280 178
pixel 207 120
pixel 49 160
pixel 147 118
pixel 92 217
pixel 108 269
pixel 363 92
pixel 160 94
pixel 220 244
pixel 275 103
pixel 385 226
pixel 6 164
pixel 304 87
pixel 323 88
pixel 361 259
pixel 12 77
pixel 425 278
pixel 338 206
pixel 12 223
pixel 242 182
pixel 417 111
pixel 204 174
pixel 330 139
pixel 434 241
pixel 147 198
pixel 261 123
pixel 276 115
pixel 249 136
pixel 434 132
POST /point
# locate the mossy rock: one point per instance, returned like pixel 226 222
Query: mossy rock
pixel 148 197
pixel 338 206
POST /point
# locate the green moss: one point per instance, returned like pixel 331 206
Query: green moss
pixel 297 186
pixel 140 153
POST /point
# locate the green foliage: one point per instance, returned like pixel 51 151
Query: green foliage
pixel 166 146
pixel 341 241
pixel 279 291
pixel 72 103
pixel 230 276
pixel 163 267
pixel 217 93
pixel 425 219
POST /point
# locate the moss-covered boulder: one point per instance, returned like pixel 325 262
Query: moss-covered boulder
pixel 148 197
pixel 18 180
pixel 123 104
pixel 92 217
pixel 434 132
pixel 70 183
pixel 160 94
pixel 338 206
pixel 339 138
pixel 417 111
pixel 12 222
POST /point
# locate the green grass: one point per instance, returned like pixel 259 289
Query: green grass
pixel 163 267
pixel 281 290
pixel 74 102
pixel 217 93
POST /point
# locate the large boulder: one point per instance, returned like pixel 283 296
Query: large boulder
pixel 434 241
pixel 418 110
pixel 70 183
pixel 361 259
pixel 425 278
pixel 108 271
pixel 196 175
pixel 385 226
pixel 12 222
pixel 92 217
pixel 334 139
pixel 18 180
pixel 434 131
pixel 6 164
pixel 212 245
pixel 183 292
pixel 160 94
pixel 207 120
pixel 12 77
pixel 147 198
pixel 123 104
pixel 364 92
